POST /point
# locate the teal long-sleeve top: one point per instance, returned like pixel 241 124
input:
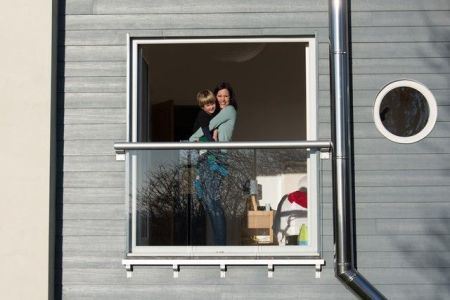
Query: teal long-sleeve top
pixel 224 121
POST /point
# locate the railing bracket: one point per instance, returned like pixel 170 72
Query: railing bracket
pixel 223 263
pixel 270 269
pixel 129 269
pixel 176 270
pixel 318 270
pixel 223 270
pixel 325 153
pixel 120 154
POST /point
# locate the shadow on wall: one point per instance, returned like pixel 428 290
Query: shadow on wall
pixel 437 31
pixel 60 106
pixel 434 255
pixel 424 250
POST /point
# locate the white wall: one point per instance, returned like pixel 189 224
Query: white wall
pixel 276 186
pixel 26 133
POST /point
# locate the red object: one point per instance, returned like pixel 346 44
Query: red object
pixel 299 197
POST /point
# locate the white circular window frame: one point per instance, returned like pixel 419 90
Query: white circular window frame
pixel 431 104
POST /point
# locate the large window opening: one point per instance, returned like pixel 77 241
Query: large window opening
pixel 210 201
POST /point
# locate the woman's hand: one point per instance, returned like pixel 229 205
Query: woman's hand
pixel 215 135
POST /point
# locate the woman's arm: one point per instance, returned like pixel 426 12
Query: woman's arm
pixel 226 114
pixel 196 135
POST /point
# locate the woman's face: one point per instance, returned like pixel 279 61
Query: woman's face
pixel 223 97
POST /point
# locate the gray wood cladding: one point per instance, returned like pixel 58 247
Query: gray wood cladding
pixel 368 130
pixel 94 100
pixel 366 259
pixel 359 34
pixel 402 202
pixel 360 66
pixel 93 195
pixel 252 20
pixel 97 145
pixel 193 292
pixel 365 115
pixel 233 6
pixel 397 178
pixel 360 50
pixel 367 97
pixel 252 275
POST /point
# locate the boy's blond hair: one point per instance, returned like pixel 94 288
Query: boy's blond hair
pixel 205 97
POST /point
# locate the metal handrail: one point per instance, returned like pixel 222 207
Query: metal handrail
pixel 325 145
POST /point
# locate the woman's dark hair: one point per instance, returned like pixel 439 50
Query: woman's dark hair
pixel 227 86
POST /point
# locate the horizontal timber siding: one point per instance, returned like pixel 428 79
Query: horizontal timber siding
pixel 402 203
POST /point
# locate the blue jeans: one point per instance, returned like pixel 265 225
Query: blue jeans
pixel 212 170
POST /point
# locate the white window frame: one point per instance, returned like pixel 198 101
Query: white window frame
pixel 431 104
pixel 313 249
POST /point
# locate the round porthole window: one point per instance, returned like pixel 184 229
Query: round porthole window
pixel 405 111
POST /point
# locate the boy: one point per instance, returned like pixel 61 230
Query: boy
pixel 207 102
pixel 208 178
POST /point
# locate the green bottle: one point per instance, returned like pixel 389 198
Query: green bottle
pixel 302 239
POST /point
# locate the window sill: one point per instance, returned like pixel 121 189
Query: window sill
pixel 224 251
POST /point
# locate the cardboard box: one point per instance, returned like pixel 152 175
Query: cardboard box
pixel 260 219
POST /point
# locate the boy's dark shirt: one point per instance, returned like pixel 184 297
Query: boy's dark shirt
pixel 202 121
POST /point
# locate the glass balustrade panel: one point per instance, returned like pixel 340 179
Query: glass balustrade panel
pixel 234 197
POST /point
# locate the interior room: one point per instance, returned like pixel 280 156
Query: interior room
pixel 269 80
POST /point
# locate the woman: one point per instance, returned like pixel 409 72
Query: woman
pixel 212 167
pixel 225 120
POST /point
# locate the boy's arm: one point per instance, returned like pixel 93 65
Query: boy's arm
pixel 203 120
pixel 207 134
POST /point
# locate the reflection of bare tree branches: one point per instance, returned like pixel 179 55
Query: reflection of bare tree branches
pixel 160 190
pixel 168 188
pixel 281 161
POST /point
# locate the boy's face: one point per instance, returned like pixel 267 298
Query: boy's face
pixel 209 108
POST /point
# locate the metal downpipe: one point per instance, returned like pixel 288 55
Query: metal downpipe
pixel 343 213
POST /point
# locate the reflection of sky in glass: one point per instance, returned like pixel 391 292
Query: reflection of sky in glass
pixel 404 111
